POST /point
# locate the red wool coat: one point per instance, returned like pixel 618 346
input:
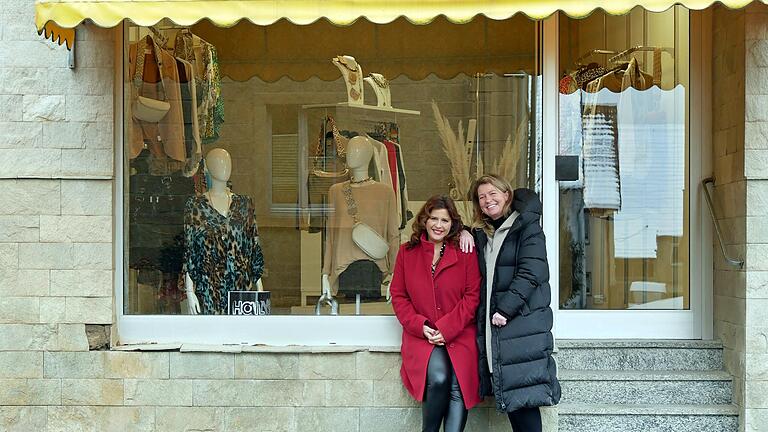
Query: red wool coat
pixel 448 302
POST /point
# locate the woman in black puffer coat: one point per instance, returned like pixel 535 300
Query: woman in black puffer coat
pixel 514 317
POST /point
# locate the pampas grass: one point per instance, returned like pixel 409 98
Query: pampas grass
pixel 459 153
pixel 506 165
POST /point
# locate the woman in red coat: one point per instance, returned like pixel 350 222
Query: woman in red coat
pixel 435 292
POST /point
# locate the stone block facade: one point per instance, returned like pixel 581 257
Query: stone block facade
pixel 57 274
pixel 740 104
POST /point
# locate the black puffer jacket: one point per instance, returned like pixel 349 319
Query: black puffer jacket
pixel 525 375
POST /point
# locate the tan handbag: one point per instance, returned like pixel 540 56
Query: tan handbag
pixel 366 238
pixel 148 109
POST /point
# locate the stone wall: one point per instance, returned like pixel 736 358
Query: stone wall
pixel 730 190
pixel 756 174
pixel 740 130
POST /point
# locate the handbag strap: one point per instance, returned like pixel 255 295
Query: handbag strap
pixel 351 204
pixel 337 138
pixel 138 73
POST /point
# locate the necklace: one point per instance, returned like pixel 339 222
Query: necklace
pixel 352 78
pixel 379 80
pixel 367 179
pixel 354 94
pixel 434 264
pixel 344 63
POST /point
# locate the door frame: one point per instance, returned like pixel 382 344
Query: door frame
pixel 696 322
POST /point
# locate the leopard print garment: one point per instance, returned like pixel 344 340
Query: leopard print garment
pixel 222 253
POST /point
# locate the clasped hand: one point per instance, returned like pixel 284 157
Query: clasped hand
pixel 433 336
pixel 498 320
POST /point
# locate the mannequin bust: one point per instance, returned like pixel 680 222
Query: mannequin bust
pixel 359 154
pixel 218 165
pixel 352 73
pixel 380 86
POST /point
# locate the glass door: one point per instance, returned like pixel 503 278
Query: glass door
pixel 622 176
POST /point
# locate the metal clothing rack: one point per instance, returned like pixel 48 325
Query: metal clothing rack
pixel 640 48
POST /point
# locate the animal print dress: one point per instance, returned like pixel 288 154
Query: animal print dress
pixel 222 252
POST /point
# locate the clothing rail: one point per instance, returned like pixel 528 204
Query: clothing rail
pixel 591 53
pixel 735 262
pixel 640 48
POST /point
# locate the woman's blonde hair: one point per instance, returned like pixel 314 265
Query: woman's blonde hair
pixel 479 219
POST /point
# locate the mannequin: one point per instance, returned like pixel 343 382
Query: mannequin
pixel 376 207
pixel 353 77
pixel 380 86
pixel 220 218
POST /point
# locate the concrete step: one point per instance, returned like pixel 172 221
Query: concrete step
pixel 677 355
pixel 647 418
pixel 646 387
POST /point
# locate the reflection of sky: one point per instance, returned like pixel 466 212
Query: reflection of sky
pixel 651 143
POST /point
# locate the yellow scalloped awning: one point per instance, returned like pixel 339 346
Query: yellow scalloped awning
pixel 226 13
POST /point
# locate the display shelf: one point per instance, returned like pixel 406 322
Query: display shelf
pixel 364 107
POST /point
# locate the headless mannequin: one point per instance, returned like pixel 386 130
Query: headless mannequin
pixel 380 86
pixel 219 165
pixel 353 77
pixel 359 154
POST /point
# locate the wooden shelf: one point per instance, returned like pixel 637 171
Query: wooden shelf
pixel 363 107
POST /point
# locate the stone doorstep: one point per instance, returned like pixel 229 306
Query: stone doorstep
pixel 642 375
pixel 646 410
pixel 636 343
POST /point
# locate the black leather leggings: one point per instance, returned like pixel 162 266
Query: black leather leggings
pixel 525 420
pixel 443 402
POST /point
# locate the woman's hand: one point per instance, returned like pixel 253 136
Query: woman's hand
pixel 433 336
pixel 466 241
pixel 498 320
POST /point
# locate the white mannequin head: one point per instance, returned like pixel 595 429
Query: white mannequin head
pixel 219 164
pixel 359 153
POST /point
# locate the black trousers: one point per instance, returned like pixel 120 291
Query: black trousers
pixel 525 420
pixel 443 402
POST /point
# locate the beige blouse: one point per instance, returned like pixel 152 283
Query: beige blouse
pixel 377 208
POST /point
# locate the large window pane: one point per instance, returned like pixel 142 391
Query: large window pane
pixel 271 113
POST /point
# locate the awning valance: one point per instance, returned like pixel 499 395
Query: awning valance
pixel 226 13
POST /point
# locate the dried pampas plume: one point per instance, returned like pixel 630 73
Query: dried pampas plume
pixel 506 166
pixel 459 153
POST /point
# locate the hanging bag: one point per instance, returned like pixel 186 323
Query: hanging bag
pixel 365 237
pixel 144 108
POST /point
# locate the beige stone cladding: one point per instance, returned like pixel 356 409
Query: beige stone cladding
pixel 740 147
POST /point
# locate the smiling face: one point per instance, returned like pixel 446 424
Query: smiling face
pixel 438 225
pixel 492 201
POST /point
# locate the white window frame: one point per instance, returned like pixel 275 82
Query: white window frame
pixel 696 322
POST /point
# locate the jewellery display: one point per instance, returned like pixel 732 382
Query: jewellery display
pixel 379 80
pixel 380 87
pixel 352 73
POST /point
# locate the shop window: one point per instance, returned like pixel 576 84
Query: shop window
pixel 624 110
pixel 241 145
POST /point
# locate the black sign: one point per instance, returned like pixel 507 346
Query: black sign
pixel 249 303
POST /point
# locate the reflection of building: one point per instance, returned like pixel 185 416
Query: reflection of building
pixel 645 274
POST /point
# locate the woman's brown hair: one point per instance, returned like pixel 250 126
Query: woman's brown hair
pixel 479 219
pixel 437 202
